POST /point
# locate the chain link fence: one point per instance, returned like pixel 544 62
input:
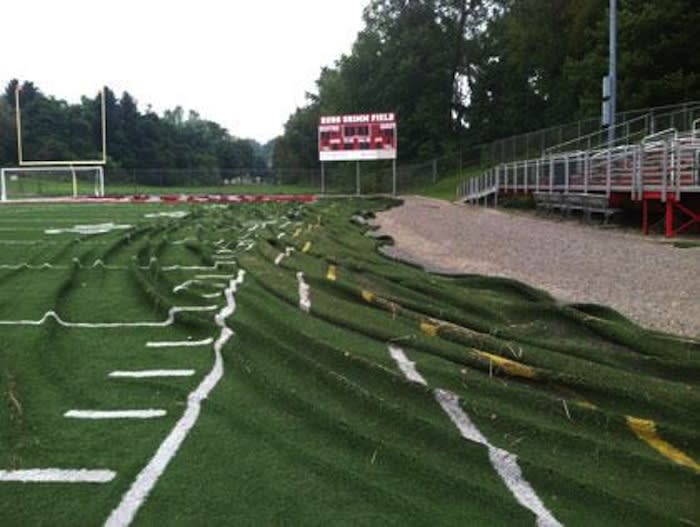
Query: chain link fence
pixel 376 177
pixel 643 121
pixel 210 180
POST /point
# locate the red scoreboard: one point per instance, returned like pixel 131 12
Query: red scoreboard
pixel 357 137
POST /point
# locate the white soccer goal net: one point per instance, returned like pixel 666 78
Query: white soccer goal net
pixel 51 182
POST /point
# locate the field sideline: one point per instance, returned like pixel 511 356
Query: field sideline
pixel 265 364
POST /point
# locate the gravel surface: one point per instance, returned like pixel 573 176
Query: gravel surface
pixel 644 278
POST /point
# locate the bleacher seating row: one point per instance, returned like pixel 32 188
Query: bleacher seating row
pixel 588 204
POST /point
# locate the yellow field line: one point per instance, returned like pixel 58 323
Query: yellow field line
pixel 332 273
pixel 432 328
pixel 509 366
pixel 429 329
pixel 645 429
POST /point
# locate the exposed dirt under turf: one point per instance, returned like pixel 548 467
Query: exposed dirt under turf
pixel 653 283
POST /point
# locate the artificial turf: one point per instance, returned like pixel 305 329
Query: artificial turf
pixel 313 422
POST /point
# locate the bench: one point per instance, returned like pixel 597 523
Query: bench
pixel 588 204
pixel 548 201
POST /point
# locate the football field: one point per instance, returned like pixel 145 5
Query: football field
pixel 266 364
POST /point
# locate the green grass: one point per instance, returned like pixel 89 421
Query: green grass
pixel 446 187
pixel 45 187
pixel 51 188
pixel 312 421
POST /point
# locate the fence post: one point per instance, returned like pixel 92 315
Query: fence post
pixel 551 175
pixel 566 174
pixel 526 175
pixel 323 177
pixel 608 177
pixel 497 185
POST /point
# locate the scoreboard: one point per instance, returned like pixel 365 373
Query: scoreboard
pixel 357 137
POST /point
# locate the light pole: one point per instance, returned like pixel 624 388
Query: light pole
pixel 612 72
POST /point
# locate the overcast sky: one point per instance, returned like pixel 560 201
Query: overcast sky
pixel 243 64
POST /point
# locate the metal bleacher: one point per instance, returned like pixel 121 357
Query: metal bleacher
pixel 661 167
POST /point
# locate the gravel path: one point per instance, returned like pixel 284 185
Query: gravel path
pixel 648 281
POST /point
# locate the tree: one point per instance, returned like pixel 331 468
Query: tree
pixel 54 129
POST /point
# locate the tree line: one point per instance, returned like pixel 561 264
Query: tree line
pixel 53 129
pixel 466 72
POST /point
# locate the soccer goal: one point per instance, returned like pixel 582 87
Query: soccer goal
pixel 51 182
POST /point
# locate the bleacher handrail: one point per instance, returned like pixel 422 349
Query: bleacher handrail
pixel 649 117
pixel 660 134
pixel 657 163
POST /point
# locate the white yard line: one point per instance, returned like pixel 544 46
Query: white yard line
pixel 211 295
pixel 57 475
pixel 52 314
pixel 179 343
pixel 27 242
pixel 286 254
pixel 90 229
pixel 149 413
pixel 130 503
pixel 214 267
pixel 102 265
pixel 186 284
pixel 505 463
pixel 46 265
pixel 144 374
pixel 175 214
pixel 407 367
pixel 304 293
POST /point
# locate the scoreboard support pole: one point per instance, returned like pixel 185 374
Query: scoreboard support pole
pixel 357 178
pixel 323 177
pixel 393 177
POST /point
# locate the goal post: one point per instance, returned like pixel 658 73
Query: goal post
pixel 44 178
pixel 23 162
pixel 51 182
